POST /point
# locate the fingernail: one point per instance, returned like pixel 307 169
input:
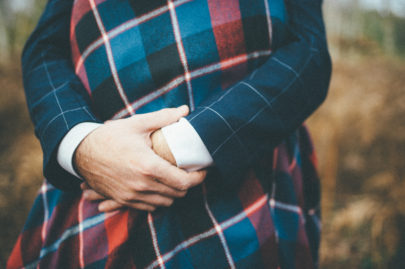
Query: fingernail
pixel 183 108
pixel 101 207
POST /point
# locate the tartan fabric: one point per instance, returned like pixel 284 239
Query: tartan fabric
pixel 271 221
pixel 175 52
pixel 251 77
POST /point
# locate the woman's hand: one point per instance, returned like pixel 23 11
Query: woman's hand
pixel 119 165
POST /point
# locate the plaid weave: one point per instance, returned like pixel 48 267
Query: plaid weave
pixel 175 52
pixel 250 83
pixel 255 227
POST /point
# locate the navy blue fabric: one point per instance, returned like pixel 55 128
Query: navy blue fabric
pixel 253 116
pixel 245 122
pixel 55 96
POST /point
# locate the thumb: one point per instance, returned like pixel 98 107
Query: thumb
pixel 161 118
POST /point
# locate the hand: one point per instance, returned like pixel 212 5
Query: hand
pixel 118 163
pixel 161 148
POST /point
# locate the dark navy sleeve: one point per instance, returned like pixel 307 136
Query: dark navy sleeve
pixel 56 99
pixel 248 120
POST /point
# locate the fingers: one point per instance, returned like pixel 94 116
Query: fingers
pixel 175 177
pixel 143 206
pixel 91 195
pixel 161 118
pixel 85 186
pixel 109 205
pixel 153 199
pixel 197 177
pixel 149 203
pixel 159 188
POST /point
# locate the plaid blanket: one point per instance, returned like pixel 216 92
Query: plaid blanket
pixel 175 52
pixel 255 227
pixel 259 205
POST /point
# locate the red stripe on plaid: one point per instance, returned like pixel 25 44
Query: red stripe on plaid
pixel 55 259
pixel 229 63
pixel 64 216
pixel 117 230
pixel 227 27
pixel 80 70
pixel 261 220
pixel 304 254
pixel 249 192
pixel 296 177
pixel 15 260
pixel 282 159
pixel 80 8
pixel 95 244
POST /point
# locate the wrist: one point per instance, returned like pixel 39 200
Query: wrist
pixel 160 146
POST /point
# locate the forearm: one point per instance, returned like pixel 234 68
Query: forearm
pixel 56 98
pixel 245 123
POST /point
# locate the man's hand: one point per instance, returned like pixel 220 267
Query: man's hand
pixel 117 162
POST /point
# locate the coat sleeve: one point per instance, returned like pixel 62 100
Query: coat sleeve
pixel 248 120
pixel 56 98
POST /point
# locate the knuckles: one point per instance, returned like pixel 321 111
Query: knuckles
pixel 146 169
pixel 140 186
pixel 168 203
pixel 183 186
pixel 127 197
pixel 181 194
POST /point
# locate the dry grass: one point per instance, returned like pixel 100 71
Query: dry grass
pixel 20 160
pixel 359 134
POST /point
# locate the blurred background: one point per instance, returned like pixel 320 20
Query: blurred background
pixel 359 133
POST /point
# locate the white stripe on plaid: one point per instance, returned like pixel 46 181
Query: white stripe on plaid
pixel 155 241
pixel 111 58
pixel 297 78
pixel 259 203
pixel 315 218
pixel 193 74
pixel 286 207
pixel 218 231
pixel 81 241
pixel 72 231
pixel 268 17
pixel 182 53
pixel 237 130
pixel 88 223
pixel 50 81
pixel 122 28
pixel 44 189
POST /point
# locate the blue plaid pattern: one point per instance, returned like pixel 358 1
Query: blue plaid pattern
pixel 251 75
pixel 271 221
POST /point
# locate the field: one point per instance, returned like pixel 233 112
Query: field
pixel 359 134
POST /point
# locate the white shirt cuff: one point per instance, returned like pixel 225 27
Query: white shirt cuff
pixel 70 142
pixel 186 146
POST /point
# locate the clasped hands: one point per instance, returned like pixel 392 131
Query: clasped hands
pixel 127 163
